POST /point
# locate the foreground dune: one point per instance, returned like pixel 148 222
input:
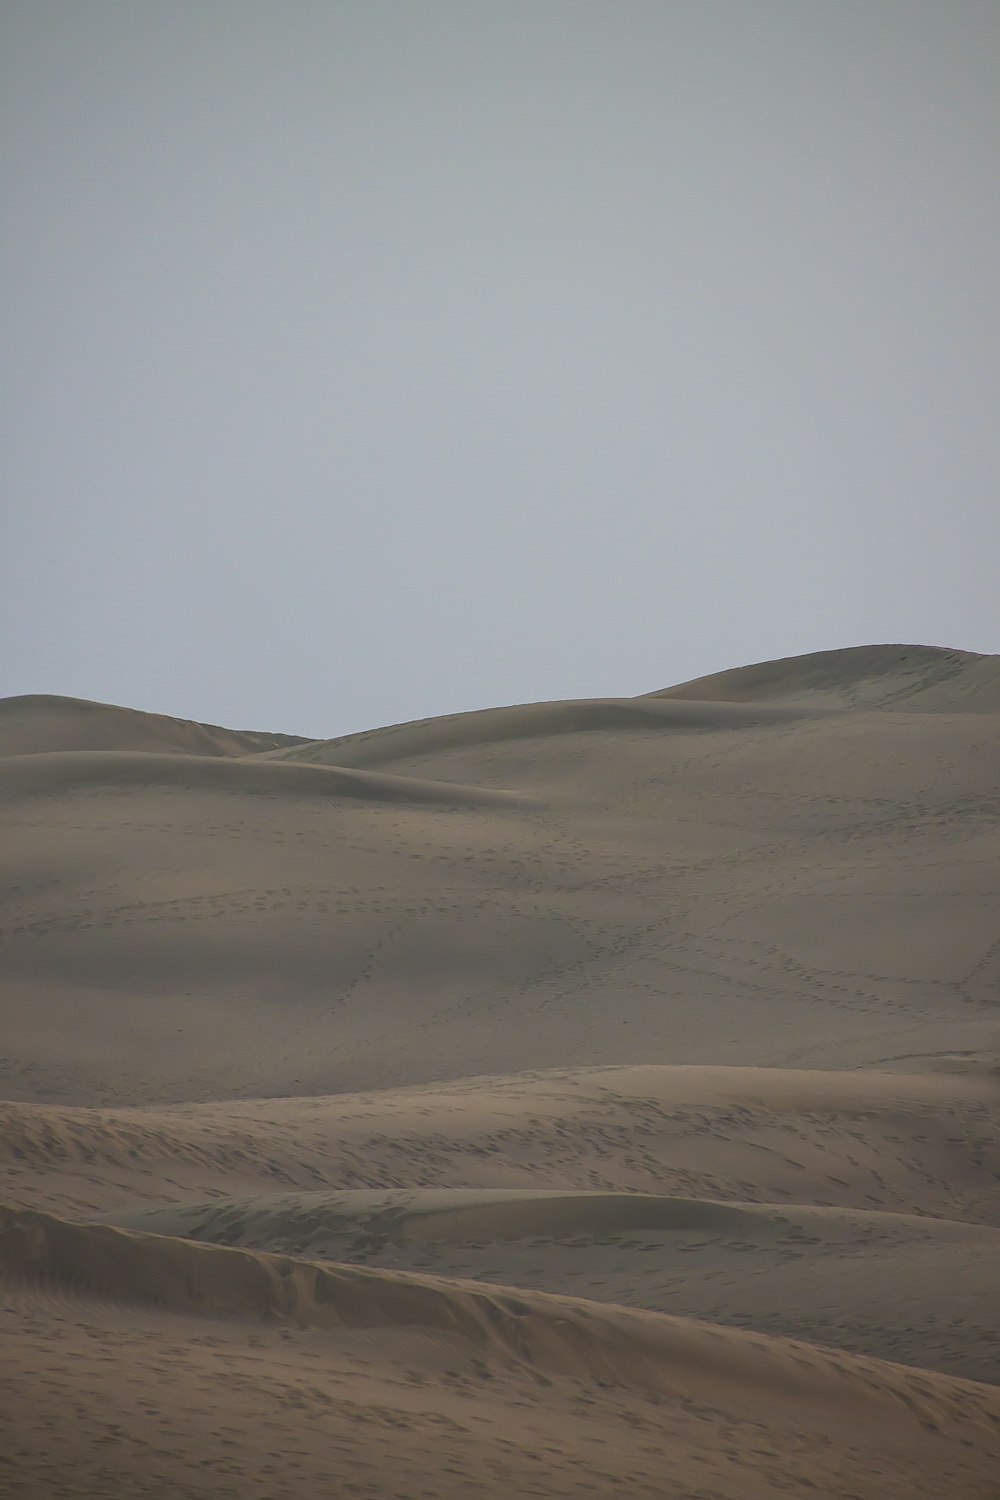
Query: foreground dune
pixel 591 1098
pixel 901 1287
pixel 601 1343
pixel 887 1429
pixel 108 1400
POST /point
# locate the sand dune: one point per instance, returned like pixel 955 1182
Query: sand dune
pixel 820 884
pixel 43 723
pixel 51 773
pixel 902 1287
pixel 448 1216
pixel 917 678
pixel 921 679
pixel 476 1216
pixel 589 1098
pixel 599 1342
pixel 100 1394
pixel 853 1208
pixel 899 1143
pixel 488 1335
pixel 532 721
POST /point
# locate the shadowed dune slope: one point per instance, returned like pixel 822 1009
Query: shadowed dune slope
pixel 443 1216
pixel 48 774
pixel 462 1216
pixel 903 1287
pixel 556 1334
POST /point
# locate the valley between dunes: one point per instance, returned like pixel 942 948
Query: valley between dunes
pixel 591 1099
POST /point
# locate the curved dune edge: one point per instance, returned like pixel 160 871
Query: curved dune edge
pixel 52 772
pixel 523 721
pixel 932 679
pixel 443 1215
pixel 463 1215
pixel 652 1352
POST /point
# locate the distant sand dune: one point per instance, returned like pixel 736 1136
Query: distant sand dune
pixel 496 726
pixel 678 880
pixel 39 723
pixel 918 678
pixel 924 679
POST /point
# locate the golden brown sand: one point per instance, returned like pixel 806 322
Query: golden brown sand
pixel 584 1099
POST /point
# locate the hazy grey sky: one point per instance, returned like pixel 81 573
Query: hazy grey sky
pixel 370 359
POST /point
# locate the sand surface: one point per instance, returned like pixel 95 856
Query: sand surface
pixel 591 1098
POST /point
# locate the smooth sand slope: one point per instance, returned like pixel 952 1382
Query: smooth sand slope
pixel 596 1098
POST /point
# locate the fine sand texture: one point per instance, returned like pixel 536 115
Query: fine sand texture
pixel 574 1099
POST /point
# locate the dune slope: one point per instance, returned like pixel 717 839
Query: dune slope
pixel 896 1426
pixel 917 678
pixel 40 722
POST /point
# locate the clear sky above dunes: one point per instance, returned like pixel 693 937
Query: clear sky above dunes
pixel 371 360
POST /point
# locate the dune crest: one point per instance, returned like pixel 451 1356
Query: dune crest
pixel 38 723
pixel 924 679
pixel 667 1356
